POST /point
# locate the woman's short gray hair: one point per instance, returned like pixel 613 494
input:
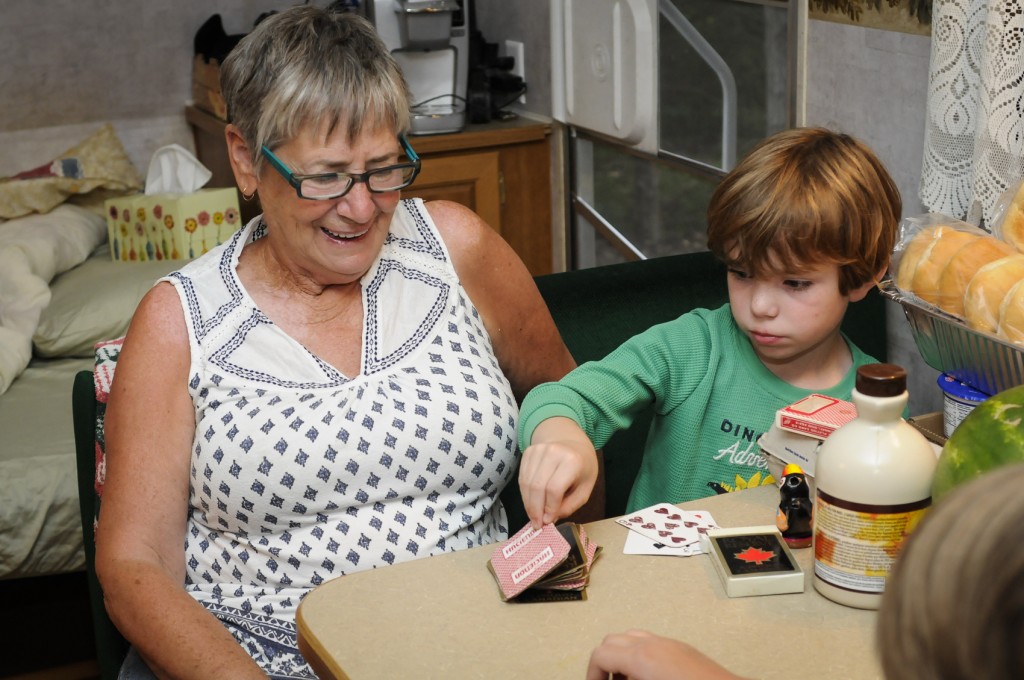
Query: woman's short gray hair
pixel 308 66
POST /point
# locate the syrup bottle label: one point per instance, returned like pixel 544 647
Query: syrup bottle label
pixel 855 544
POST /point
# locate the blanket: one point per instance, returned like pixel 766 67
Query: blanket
pixel 33 250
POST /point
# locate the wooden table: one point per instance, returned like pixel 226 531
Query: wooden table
pixel 441 617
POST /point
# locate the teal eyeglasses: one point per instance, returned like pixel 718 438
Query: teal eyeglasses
pixel 328 185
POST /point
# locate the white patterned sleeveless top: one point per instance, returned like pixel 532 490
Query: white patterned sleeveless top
pixel 301 474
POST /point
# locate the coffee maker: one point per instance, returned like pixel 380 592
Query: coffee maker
pixel 430 41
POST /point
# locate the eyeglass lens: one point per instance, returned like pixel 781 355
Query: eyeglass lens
pixel 391 178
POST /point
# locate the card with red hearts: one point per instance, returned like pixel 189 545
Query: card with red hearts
pixel 666 524
pixel 638 544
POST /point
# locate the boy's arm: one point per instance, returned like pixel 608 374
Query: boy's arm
pixel 562 423
pixel 558 471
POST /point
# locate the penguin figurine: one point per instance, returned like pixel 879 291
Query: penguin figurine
pixel 794 518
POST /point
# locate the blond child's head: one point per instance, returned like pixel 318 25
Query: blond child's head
pixel 807 197
pixel 954 604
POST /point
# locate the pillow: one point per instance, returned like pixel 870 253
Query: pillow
pixel 33 250
pixel 94 302
pixel 97 163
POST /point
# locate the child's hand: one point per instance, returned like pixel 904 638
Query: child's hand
pixel 558 471
pixel 639 655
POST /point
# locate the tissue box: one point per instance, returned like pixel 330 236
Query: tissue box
pixel 126 230
pixel 171 226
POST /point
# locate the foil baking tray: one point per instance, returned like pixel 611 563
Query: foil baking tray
pixel 979 359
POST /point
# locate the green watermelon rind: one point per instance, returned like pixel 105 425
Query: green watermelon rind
pixel 990 436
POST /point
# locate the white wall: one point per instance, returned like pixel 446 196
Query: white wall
pixel 80 63
pixel 873 84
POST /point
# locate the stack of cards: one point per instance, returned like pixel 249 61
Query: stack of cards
pixel 544 565
pixel 664 529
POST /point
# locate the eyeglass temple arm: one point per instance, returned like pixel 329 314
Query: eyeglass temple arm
pixel 412 155
pixel 281 167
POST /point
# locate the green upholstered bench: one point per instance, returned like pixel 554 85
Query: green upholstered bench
pixel 597 309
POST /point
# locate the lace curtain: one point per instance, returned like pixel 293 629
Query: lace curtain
pixel 974 139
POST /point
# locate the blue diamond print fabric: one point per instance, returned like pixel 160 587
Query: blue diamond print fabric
pixel 301 474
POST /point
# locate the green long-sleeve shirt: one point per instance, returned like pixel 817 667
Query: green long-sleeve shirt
pixel 712 399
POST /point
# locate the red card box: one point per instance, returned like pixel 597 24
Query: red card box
pixel 815 415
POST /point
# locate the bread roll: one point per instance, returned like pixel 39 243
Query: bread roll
pixel 987 289
pixel 1012 228
pixel 912 255
pixel 962 267
pixel 934 259
pixel 1011 315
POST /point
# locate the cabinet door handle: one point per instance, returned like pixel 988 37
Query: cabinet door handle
pixel 501 187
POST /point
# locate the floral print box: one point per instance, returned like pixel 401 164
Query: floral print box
pixel 145 227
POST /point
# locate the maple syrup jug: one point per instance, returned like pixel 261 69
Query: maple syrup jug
pixel 874 479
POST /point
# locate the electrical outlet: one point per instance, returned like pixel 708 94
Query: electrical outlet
pixel 514 49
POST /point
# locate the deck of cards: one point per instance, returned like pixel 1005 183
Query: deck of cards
pixel 664 529
pixel 754 561
pixel 549 564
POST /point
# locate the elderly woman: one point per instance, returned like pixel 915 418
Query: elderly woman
pixel 333 390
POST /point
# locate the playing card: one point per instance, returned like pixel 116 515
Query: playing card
pixel 526 558
pixel 547 565
pixel 667 524
pixel 571 570
pixel 638 544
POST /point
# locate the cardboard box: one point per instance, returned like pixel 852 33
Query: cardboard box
pixel 206 93
pixel 790 447
pixel 815 415
pixel 171 226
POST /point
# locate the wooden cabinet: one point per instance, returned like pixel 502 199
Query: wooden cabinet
pixel 501 170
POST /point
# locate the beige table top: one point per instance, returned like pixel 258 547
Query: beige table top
pixel 441 617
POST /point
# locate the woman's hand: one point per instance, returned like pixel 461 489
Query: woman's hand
pixel 558 471
pixel 639 655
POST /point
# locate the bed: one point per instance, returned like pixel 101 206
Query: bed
pixel 60 293
pixel 39 514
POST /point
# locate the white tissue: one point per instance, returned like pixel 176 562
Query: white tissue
pixel 174 170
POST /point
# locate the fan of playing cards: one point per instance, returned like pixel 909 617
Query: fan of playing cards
pixel 544 565
pixel 664 529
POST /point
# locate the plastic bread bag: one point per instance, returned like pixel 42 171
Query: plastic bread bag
pixel 936 257
pixel 1011 315
pixel 1008 216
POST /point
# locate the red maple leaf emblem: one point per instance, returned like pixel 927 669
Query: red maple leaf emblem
pixel 755 555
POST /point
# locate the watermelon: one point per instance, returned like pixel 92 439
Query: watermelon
pixel 991 435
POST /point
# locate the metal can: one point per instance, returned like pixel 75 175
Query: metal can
pixel 958 400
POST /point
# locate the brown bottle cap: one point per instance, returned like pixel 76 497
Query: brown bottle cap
pixel 881 380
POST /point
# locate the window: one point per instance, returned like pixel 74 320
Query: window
pixel 726 78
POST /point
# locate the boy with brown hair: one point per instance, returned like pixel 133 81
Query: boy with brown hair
pixel 805 224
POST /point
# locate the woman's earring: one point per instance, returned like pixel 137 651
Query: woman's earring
pixel 248 197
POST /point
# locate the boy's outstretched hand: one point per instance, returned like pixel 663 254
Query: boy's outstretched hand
pixel 558 471
pixel 639 655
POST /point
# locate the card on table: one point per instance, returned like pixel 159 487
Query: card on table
pixel 544 565
pixel 638 544
pixel 666 524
